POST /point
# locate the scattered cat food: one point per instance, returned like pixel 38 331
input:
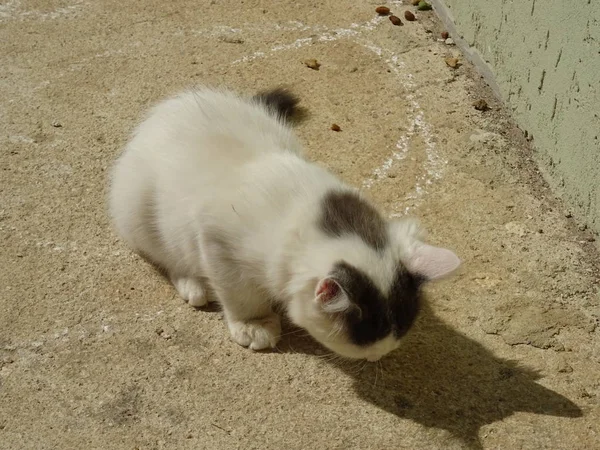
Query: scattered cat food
pixel 452 62
pixel 409 16
pixel 445 35
pixel 382 10
pixel 312 63
pixel 424 6
pixel 481 105
pixel 335 127
pixel 396 20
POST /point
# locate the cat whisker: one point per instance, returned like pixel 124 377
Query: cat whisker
pixel 329 357
pixel 335 331
pixel 356 367
pixel 291 350
pixel 305 333
pixel 376 373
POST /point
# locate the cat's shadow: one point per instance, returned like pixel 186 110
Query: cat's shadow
pixel 440 378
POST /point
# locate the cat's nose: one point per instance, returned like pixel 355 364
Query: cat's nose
pixel 373 358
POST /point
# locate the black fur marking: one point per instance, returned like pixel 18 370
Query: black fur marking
pixel 282 102
pixel 344 212
pixel 376 315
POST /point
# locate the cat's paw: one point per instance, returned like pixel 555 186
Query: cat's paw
pixel 257 334
pixel 191 290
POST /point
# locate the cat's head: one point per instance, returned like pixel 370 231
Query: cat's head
pixel 358 292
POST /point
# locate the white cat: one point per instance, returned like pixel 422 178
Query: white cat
pixel 213 188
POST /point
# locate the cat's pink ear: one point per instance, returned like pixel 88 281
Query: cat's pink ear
pixel 432 262
pixel 331 297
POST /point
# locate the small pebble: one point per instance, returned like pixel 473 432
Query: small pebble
pixel 165 334
pixel 396 20
pixel 415 2
pixel 481 105
pixel 409 16
pixel 452 62
pixel 584 394
pixel 312 63
pixel 563 367
pixel 382 10
pixel 56 124
pixel 449 41
pixel 445 35
pixel 335 127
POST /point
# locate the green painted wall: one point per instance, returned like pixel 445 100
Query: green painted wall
pixel 545 58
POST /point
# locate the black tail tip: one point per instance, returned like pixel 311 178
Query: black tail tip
pixel 283 103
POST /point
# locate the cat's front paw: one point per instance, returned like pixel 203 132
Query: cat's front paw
pixel 191 290
pixel 257 334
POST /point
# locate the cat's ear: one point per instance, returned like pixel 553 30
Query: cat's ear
pixel 331 297
pixel 431 262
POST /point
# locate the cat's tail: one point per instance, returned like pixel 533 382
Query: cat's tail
pixel 282 103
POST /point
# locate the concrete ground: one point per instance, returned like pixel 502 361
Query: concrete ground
pixel 97 351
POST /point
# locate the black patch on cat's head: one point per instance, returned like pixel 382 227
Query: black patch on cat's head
pixel 283 103
pixel 376 314
pixel 344 212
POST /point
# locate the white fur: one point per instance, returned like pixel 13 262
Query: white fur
pixel 214 189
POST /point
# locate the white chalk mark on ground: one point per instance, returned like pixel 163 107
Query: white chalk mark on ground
pixel 13 10
pixel 326 36
pixel 434 164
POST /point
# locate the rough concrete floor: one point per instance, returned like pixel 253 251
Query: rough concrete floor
pixel 97 351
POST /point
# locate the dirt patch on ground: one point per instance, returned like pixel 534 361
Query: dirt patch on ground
pixel 96 350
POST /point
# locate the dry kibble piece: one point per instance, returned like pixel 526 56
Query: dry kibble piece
pixel 481 105
pixel 335 127
pixel 452 62
pixel 312 63
pixel 445 35
pixel 409 16
pixel 395 20
pixel 382 10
